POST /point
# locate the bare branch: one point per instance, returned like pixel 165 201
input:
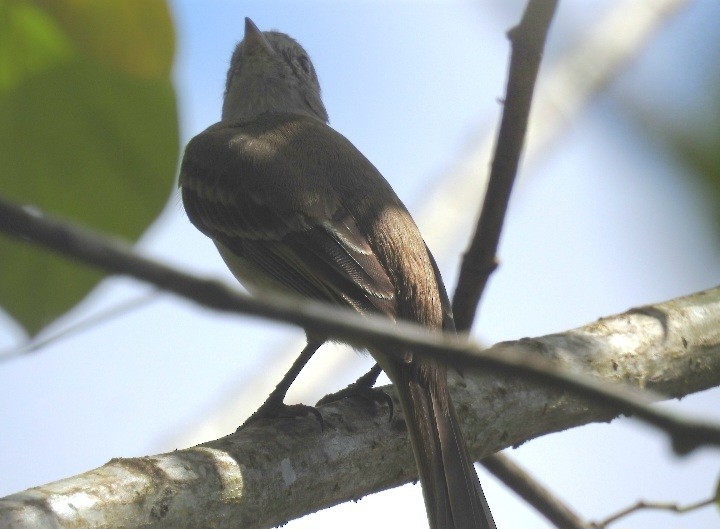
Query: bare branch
pixel 528 41
pixel 479 261
pixel 38 342
pixel 277 470
pixel 346 325
pixel 652 505
pixel 529 489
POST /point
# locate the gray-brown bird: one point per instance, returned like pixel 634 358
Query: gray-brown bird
pixel 293 206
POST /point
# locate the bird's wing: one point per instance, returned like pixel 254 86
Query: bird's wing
pixel 236 190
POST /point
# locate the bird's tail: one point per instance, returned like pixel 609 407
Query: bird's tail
pixel 453 496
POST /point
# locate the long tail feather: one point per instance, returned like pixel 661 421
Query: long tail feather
pixel 453 496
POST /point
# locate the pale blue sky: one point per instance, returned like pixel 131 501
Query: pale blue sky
pixel 603 223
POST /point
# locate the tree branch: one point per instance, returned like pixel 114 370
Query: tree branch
pixel 533 492
pixel 479 261
pixel 652 505
pixel 347 326
pixel 277 470
pixel 528 40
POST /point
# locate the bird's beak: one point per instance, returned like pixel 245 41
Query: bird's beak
pixel 254 39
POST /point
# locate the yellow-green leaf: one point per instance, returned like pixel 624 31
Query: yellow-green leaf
pixel 88 131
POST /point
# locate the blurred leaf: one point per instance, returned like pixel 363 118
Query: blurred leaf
pixel 694 143
pixel 130 36
pixel 88 131
pixel 699 149
pixel 29 42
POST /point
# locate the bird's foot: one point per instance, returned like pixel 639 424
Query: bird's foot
pixel 360 390
pixel 277 409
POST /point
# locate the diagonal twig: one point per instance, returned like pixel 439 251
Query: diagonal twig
pixel 529 489
pixel 121 309
pixel 267 474
pixel 528 40
pixel 90 248
pixel 652 505
pixel 479 261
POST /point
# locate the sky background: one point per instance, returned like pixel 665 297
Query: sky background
pixel 601 222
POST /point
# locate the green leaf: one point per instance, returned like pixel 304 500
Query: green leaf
pixel 88 131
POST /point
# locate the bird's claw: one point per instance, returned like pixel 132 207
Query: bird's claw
pixel 370 394
pixel 279 410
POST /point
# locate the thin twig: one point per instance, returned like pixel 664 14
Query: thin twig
pixel 528 41
pixel 479 261
pixel 652 505
pixel 85 246
pixel 534 493
pixel 91 321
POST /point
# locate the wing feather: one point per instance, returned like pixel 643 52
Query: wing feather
pixel 310 246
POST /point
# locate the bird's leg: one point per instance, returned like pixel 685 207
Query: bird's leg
pixel 362 387
pixel 368 379
pixel 274 406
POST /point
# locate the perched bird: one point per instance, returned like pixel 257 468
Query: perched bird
pixel 293 206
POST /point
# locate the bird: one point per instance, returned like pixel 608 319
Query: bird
pixel 294 207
